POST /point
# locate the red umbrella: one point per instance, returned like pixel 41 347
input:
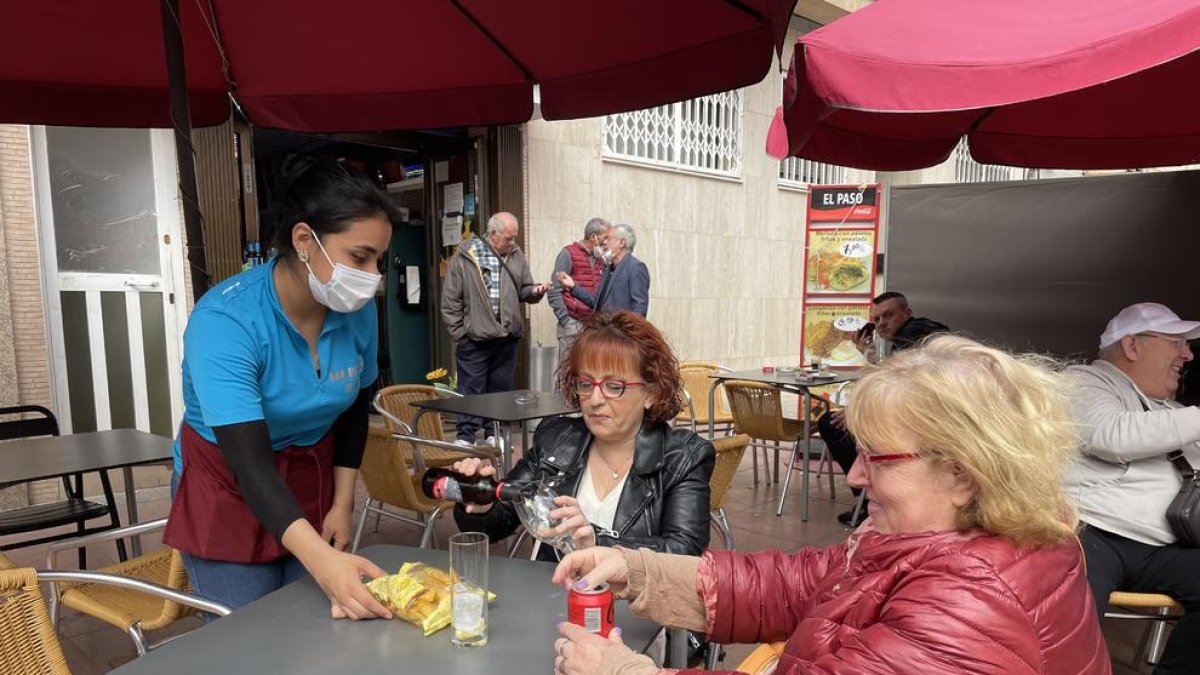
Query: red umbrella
pixel 1088 84
pixel 357 65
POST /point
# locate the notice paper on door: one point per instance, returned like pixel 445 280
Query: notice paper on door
pixel 452 196
pixel 452 231
pixel 412 284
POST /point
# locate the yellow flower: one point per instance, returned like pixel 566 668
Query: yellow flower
pixel 436 375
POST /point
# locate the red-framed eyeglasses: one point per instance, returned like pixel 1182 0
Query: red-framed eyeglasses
pixel 610 388
pixel 869 458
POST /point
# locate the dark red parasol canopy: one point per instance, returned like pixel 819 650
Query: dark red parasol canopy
pixel 359 65
pixel 1086 84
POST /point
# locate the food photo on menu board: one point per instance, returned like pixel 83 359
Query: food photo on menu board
pixel 829 331
pixel 840 262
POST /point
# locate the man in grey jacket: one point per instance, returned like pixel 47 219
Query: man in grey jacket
pixel 487 280
pixel 1123 481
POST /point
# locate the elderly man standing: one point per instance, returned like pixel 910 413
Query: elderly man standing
pixel 1123 480
pixel 626 284
pixel 585 262
pixel 487 280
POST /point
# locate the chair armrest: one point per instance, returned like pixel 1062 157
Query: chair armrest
pixel 55 576
pixel 691 406
pixel 100 537
pixel 379 408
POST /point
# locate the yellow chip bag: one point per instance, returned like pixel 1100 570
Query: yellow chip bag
pixel 419 594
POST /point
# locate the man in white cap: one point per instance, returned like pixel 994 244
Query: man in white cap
pixel 1123 480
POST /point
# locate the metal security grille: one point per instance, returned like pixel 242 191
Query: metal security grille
pixel 703 134
pixel 967 170
pixel 797 172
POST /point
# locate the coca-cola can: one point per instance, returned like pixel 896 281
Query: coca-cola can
pixel 592 609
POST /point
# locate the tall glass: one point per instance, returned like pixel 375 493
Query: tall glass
pixel 468 589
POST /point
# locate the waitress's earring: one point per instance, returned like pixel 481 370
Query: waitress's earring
pixel 303 256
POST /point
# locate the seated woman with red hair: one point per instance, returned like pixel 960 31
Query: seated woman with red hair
pixel 623 475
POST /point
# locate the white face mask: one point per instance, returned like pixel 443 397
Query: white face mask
pixel 347 290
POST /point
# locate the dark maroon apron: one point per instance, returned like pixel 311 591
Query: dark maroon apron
pixel 210 519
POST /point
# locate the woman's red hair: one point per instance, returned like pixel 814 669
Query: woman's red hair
pixel 618 341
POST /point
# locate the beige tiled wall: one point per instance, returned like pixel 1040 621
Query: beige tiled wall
pixel 725 256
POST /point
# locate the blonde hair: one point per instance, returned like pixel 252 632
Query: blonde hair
pixel 1003 418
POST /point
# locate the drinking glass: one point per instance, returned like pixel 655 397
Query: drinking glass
pixel 468 589
pixel 534 504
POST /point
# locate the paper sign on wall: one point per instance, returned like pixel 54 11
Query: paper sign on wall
pixel 452 231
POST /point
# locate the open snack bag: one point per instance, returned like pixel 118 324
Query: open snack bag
pixel 419 594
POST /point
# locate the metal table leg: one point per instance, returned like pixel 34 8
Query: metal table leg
pixel 677 656
pixel 500 432
pixel 712 407
pixel 135 543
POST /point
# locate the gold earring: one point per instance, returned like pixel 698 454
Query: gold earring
pixel 303 256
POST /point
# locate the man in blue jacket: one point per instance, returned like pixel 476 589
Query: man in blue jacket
pixel 626 282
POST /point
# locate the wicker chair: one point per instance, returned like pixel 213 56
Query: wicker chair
pixel 132 612
pixel 758 412
pixel 696 384
pixel 395 404
pixel 1157 608
pixel 729 454
pixel 29 644
pixel 385 472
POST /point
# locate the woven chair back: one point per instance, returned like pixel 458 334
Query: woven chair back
pixel 757 409
pixel 729 454
pixel 398 400
pixel 28 643
pixel 386 475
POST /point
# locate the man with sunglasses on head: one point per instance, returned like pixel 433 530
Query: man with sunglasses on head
pixel 1123 479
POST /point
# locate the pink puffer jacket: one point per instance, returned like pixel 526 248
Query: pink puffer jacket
pixel 918 604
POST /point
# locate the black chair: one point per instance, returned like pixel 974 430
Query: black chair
pixel 14 424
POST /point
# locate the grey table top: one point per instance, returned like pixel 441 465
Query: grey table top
pixel 289 631
pixel 50 456
pixel 501 405
pixel 799 379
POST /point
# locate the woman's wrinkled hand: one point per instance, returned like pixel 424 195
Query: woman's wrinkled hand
pixel 591 567
pixel 340 577
pixel 579 652
pixel 470 467
pixel 583 535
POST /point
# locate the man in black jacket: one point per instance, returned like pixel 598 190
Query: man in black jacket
pixel 894 329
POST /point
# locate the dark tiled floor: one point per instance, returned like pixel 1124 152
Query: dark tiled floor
pixel 94 647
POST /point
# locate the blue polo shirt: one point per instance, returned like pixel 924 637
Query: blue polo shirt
pixel 244 361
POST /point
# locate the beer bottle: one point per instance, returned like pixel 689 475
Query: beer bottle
pixel 453 486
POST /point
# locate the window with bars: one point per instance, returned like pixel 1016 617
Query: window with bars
pixel 703 135
pixel 967 170
pixel 798 173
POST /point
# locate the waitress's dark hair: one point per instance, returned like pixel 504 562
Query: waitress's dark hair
pixel 327 195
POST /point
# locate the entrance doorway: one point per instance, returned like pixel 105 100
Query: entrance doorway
pixel 111 247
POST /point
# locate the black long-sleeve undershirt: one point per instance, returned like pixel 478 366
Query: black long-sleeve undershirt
pixel 247 450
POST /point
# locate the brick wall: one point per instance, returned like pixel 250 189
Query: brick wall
pixel 24 311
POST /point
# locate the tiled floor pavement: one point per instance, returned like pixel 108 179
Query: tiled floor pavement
pixel 93 647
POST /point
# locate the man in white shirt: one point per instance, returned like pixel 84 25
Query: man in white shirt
pixel 1123 480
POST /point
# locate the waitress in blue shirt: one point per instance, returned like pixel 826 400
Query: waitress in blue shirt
pixel 278 365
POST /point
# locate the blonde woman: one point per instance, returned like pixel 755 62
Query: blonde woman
pixel 968 562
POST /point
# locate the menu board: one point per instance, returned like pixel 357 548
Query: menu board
pixel 840 241
pixel 840 262
pixel 828 333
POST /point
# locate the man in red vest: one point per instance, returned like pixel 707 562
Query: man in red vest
pixel 584 260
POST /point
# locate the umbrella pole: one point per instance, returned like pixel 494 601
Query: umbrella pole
pixel 181 120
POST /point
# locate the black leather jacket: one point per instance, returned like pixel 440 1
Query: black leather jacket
pixel 663 507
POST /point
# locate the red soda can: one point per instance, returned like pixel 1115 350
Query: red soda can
pixel 592 609
pixel 768 369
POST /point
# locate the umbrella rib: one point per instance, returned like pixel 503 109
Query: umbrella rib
pixel 495 42
pixel 745 9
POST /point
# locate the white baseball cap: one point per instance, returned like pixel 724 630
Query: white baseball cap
pixel 1147 316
